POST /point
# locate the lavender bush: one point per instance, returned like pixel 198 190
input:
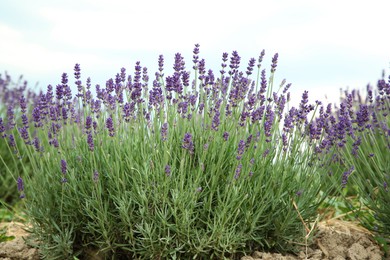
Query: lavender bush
pixel 12 95
pixel 361 135
pixel 194 164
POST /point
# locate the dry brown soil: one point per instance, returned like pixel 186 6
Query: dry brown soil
pixel 335 240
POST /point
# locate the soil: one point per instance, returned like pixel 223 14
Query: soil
pixel 336 240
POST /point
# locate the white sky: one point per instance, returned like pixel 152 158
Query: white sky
pixel 323 45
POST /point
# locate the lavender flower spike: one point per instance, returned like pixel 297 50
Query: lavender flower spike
pixel 168 170
pixel 20 185
pixel 274 62
pixel 63 166
pixel 110 126
pixel 188 144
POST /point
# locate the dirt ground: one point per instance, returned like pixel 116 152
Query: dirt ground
pixel 336 240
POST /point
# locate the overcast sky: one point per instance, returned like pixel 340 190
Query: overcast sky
pixel 323 45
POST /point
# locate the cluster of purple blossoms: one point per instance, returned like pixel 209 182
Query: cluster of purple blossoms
pixel 274 62
pixel 95 176
pixel 64 169
pixel 345 177
pixel 188 143
pixel 240 149
pixel 164 131
pixel 238 171
pixel 20 186
pixel 269 120
pixel 167 170
pixel 110 126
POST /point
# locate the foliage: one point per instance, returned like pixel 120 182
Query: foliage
pixel 211 168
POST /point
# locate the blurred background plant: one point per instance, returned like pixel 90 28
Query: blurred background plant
pixel 11 94
pixel 357 137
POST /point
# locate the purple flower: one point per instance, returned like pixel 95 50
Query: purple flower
pixel 281 104
pixel 238 171
pixel 304 109
pixel 161 65
pixel 224 59
pixel 145 76
pixel 261 56
pixel 110 126
pixel 252 161
pixel 251 64
pixel 355 146
pixel 54 142
pixel 90 142
pixel 201 69
pixel 64 113
pixel 24 134
pixel 362 116
pixel 285 141
pixel 49 94
pixel 95 176
pixel 195 56
pixel 77 76
pixel 266 152
pixel 257 114
pixel 215 123
pixel 128 111
pixel 59 92
pixel 63 166
pixel 234 62
pixel 286 88
pixel 20 185
pixel 164 131
pixel 2 128
pixel 88 123
pixel 274 62
pixel 240 149
pixel 25 120
pixel 11 140
pixel 23 104
pixel 269 119
pixel 182 108
pixel 210 77
pixel 225 136
pixel 10 117
pixel 37 145
pixel 168 170
pixel 188 144
pixel 345 177
pixel 179 63
pixel 243 117
pixel 263 86
pixel 36 115
pixel 155 95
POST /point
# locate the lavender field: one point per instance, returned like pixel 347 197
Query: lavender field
pixel 201 163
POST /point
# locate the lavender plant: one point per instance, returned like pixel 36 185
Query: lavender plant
pixel 13 103
pixel 363 145
pixel 171 167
